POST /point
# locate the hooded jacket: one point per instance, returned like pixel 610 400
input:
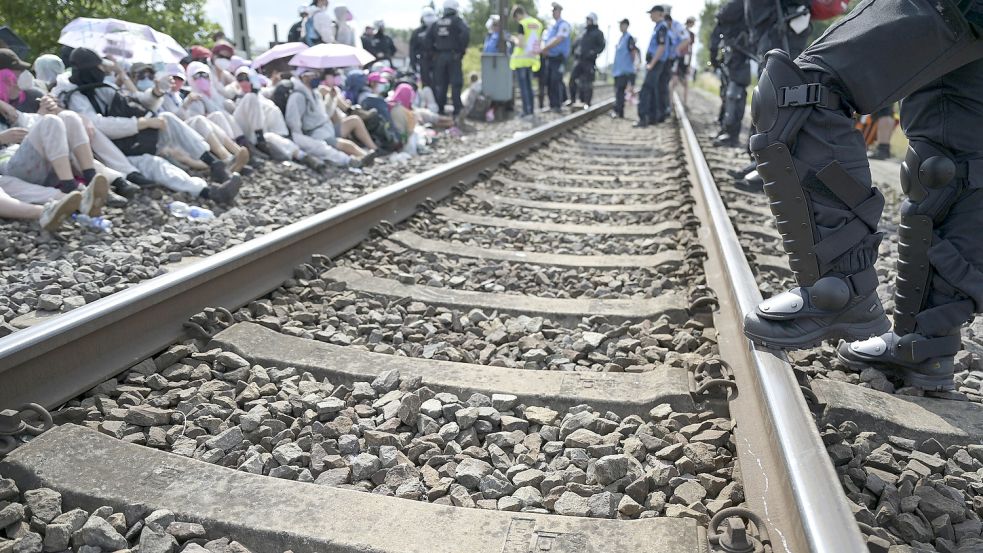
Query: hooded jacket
pixel 344 33
pixel 305 113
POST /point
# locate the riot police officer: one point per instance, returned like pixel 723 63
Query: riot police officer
pixel 421 58
pixel 448 39
pixel 930 53
pixel 582 77
pixel 737 68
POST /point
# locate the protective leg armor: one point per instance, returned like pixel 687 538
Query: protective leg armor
pixel 937 288
pixel 826 211
pixel 735 100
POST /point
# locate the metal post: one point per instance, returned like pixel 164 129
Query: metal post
pixel 276 33
pixel 240 27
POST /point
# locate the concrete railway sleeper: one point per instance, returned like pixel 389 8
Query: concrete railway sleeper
pixel 507 370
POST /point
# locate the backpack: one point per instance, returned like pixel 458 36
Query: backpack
pixel 293 35
pixel 827 9
pixel 311 36
pixel 144 141
pixel 281 94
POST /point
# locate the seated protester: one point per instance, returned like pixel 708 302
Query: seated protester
pixel 309 123
pixel 49 216
pixel 474 102
pixel 204 111
pixel 141 136
pixel 172 80
pixel 39 149
pixel 221 63
pixel 17 83
pixel 337 106
pixel 122 189
pixel 262 121
pixel 401 110
pixel 425 109
pixel 46 70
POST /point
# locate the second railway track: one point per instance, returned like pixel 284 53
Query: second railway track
pixel 535 330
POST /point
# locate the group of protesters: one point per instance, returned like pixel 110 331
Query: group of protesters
pixel 79 130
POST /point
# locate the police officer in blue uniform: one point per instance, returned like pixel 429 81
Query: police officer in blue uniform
pixel 556 50
pixel 448 39
pixel 655 64
pixel 929 54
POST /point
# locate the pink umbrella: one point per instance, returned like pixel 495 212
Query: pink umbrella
pixel 326 56
pixel 277 52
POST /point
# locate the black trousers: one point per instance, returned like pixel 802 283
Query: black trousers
pixel 870 59
pixel 582 82
pixel 447 74
pixel 620 88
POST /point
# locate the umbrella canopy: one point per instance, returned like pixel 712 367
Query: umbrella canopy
pixel 278 52
pixel 122 40
pixel 327 56
pixel 14 42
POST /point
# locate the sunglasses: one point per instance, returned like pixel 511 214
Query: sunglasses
pixel 242 78
pixel 200 75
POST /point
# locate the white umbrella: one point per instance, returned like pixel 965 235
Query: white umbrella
pixel 122 39
pixel 326 56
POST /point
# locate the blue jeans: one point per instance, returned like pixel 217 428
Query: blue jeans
pixel 524 76
pixel 554 80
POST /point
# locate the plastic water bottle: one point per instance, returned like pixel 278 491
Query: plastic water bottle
pixel 100 224
pixel 190 212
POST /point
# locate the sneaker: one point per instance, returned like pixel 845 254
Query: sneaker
pixel 124 188
pixel 726 140
pixel 94 196
pixel 891 353
pixel 225 192
pixel 367 161
pixel 56 211
pixel 830 309
pixel 218 172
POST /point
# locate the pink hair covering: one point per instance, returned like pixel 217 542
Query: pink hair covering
pixel 403 95
pixel 7 78
pixel 377 77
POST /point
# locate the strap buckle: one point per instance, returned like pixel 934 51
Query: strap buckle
pixel 805 95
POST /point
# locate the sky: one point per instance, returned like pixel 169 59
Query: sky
pixel 263 14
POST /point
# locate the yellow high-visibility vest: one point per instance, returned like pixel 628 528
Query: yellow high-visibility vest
pixel 527 53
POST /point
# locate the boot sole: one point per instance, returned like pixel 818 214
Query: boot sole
pixel 841 331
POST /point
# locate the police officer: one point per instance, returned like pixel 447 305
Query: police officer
pixel 813 160
pixel 655 64
pixel 769 29
pixel 625 54
pixel 737 66
pixel 421 58
pixel 556 49
pixel 582 76
pixel 448 39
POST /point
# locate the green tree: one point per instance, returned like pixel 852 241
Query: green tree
pixel 40 23
pixel 481 10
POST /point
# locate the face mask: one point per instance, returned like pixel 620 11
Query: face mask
pixel 223 64
pixel 202 84
pixel 246 86
pixel 145 84
pixel 25 81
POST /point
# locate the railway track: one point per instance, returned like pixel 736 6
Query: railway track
pixel 549 327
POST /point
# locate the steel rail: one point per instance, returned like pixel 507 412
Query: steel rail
pixel 826 523
pixel 58 359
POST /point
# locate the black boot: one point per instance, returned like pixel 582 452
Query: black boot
pixel 883 151
pixel 126 189
pixel 217 170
